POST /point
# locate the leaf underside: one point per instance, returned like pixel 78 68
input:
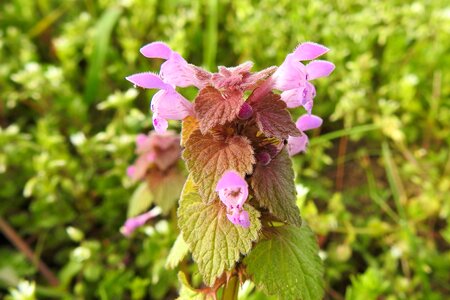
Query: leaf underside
pixel 166 187
pixel 216 243
pixel 274 188
pixel 187 292
pixel 177 253
pixel 287 264
pixel 140 201
pixel 207 158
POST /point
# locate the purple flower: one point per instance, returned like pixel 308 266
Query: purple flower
pixel 304 123
pixel 293 77
pixel 167 104
pixel 233 192
pixel 132 224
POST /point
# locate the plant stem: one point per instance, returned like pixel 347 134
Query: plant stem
pixel 231 289
pixel 20 244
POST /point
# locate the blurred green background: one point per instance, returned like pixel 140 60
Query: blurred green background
pixel 374 185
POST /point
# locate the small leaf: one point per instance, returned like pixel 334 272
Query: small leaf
pixel 214 109
pixel 140 201
pixel 190 124
pixel 207 158
pixel 272 117
pixel 274 188
pixel 216 243
pixel 187 292
pixel 288 264
pixel 179 250
pixel 166 187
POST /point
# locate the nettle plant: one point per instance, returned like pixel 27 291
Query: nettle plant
pixel 238 212
pixel 157 168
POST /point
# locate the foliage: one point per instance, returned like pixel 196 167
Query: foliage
pixel 374 185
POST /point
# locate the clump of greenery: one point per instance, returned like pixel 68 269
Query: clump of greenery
pixel 374 184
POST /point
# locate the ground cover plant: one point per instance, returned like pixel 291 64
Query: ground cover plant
pixel 373 185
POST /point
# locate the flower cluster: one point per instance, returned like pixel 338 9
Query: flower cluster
pixel 156 165
pixel 158 151
pixel 232 142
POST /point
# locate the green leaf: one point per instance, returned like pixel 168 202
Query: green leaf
pixel 274 188
pixel 187 292
pixel 166 187
pixel 287 264
pixel 208 157
pixel 179 250
pixel 214 109
pixel 216 243
pixel 97 59
pixel 140 200
pixel 272 117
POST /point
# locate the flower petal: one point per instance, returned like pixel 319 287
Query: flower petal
pixel 319 68
pixel 308 122
pixel 170 105
pixel 309 51
pixel 148 80
pixel 232 190
pixel 141 139
pixel 239 218
pixel 297 144
pixel 156 50
pixel 133 223
pixel 295 97
pixel 290 75
pixel 244 219
pixel 160 124
pixel 176 71
pixel 131 170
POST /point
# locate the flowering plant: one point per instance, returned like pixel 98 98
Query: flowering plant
pixel 157 166
pixel 238 212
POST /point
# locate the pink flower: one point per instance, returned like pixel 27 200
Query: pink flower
pixel 156 150
pixel 233 192
pixel 293 77
pixel 175 70
pixel 239 218
pixel 304 123
pixel 167 104
pixel 132 224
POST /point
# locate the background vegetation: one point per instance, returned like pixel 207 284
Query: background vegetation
pixel 374 186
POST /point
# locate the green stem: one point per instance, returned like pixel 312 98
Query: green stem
pixel 231 289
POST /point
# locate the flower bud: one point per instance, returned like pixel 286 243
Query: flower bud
pixel 263 158
pixel 246 111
